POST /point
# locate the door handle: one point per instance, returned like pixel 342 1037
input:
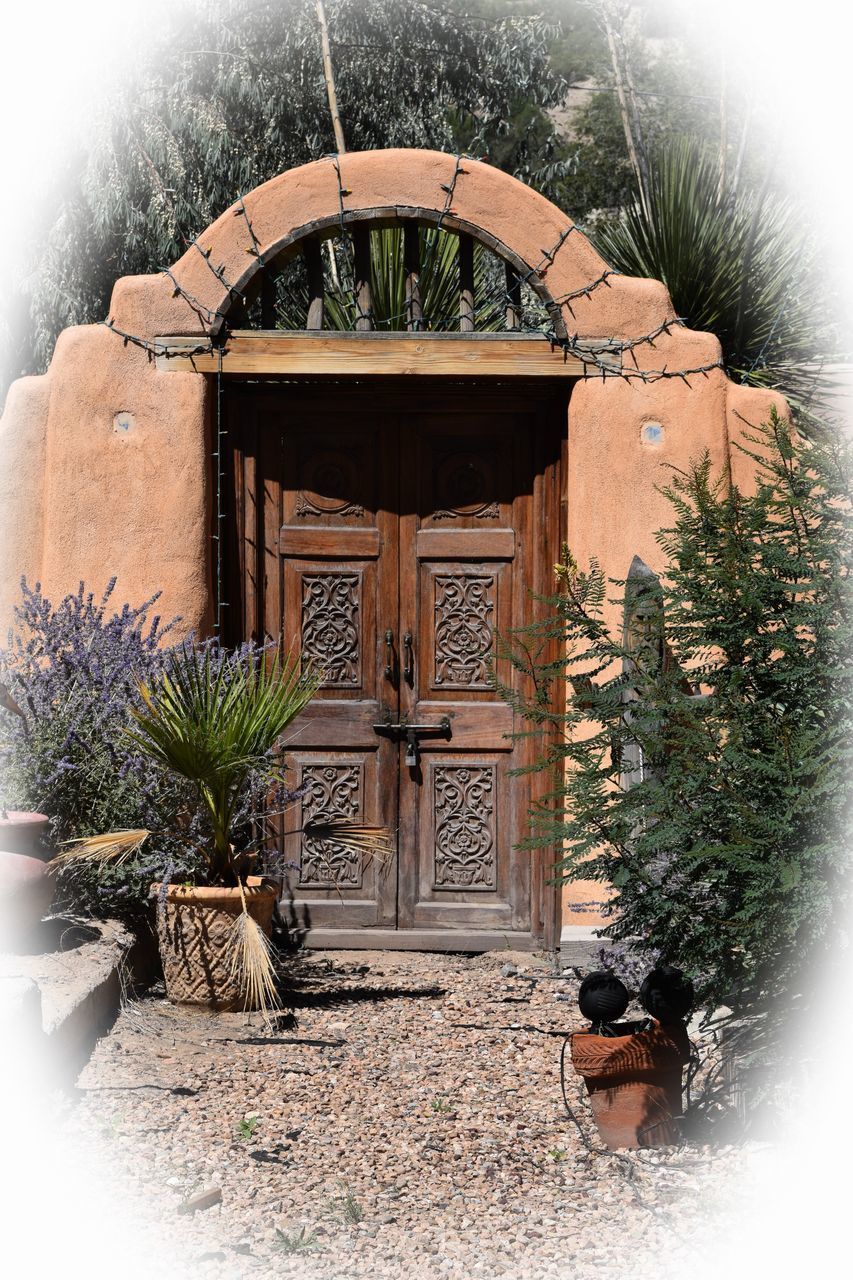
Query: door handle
pixel 389 654
pixel 408 659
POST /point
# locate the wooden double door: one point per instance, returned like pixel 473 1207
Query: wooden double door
pixel 391 537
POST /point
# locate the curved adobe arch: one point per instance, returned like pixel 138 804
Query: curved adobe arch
pixel 585 297
pixel 105 461
pixel 107 433
pixel 328 227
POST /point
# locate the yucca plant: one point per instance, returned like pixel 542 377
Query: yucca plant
pixel 438 277
pixel 740 265
pixel 438 280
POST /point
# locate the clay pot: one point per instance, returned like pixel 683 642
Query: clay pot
pixel 23 832
pixel 634 1083
pixel 26 885
pixel 194 931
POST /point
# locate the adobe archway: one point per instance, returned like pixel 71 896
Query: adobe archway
pixel 106 459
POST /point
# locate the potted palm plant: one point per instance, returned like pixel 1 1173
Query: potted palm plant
pixel 217 721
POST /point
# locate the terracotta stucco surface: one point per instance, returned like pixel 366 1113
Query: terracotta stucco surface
pixel 105 460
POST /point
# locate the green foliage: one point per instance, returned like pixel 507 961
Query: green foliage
pixel 227 96
pixel 247 1126
pixel 300 1241
pixel 438 278
pixel 601 176
pixel 440 1106
pixel 216 725
pixel 700 767
pixel 740 266
pixel 350 1210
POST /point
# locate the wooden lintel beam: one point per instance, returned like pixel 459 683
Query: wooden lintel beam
pixel 362 354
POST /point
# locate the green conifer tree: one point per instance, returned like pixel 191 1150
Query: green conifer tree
pixel 700 766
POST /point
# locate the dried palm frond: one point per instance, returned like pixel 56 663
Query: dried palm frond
pixel 367 842
pixel 252 963
pixel 114 846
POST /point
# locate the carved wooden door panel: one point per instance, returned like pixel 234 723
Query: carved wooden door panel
pixel 319 562
pixel 463 539
pixel 391 546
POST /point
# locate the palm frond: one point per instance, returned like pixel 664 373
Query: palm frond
pixel 368 842
pixel 216 720
pixel 114 846
pixel 202 721
pixel 252 963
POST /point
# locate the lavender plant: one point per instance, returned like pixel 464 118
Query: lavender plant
pixel 71 675
pixel 154 761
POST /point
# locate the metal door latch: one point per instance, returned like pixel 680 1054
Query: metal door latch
pixel 411 733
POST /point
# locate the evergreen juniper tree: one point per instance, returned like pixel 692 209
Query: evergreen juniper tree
pixel 700 767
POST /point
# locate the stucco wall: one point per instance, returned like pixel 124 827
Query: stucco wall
pixel 105 467
pixel 104 461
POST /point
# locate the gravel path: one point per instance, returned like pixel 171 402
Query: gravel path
pixel 404 1120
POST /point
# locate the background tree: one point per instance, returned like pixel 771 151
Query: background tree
pixel 228 95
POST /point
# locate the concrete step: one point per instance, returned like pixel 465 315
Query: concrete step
pixel 61 990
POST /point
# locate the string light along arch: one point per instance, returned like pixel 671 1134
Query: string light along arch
pixel 544 253
pixel 632 359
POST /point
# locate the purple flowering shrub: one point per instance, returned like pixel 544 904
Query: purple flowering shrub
pixel 73 671
pixel 629 963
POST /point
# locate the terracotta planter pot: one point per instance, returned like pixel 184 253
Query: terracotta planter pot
pixel 634 1084
pixel 194 929
pixel 23 832
pixel 26 885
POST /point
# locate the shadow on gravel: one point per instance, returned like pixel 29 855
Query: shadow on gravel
pixel 514 1027
pixel 329 998
pixel 314 1044
pixel 180 1091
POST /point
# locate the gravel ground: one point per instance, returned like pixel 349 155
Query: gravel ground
pixel 405 1119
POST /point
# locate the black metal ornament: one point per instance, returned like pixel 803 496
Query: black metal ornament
pixel 667 994
pixel 603 998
